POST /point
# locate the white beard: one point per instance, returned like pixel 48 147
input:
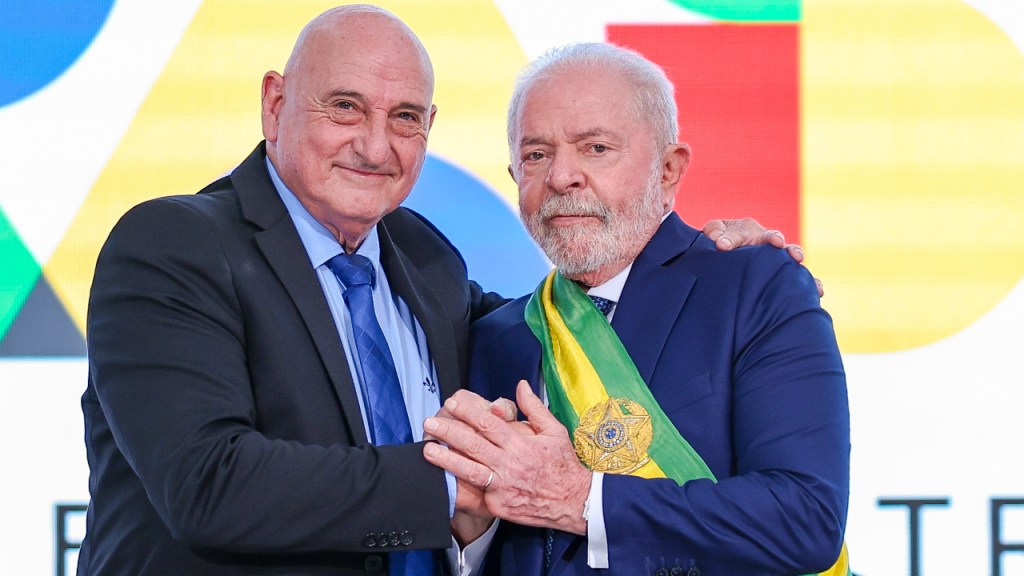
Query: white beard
pixel 579 250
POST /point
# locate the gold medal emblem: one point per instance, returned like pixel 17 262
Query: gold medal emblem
pixel 613 436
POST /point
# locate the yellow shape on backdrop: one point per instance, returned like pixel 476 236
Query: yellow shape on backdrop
pixel 202 116
pixel 913 164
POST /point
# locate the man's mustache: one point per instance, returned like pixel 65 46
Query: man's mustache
pixel 569 205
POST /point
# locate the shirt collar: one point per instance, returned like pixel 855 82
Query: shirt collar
pixel 612 289
pixel 320 244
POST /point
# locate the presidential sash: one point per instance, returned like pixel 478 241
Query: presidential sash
pixel 595 390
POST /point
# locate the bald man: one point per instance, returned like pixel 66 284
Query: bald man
pixel 251 408
pixel 226 425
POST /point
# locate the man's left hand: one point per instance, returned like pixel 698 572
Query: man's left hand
pixel 537 478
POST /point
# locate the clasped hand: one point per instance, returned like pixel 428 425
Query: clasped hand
pixel 537 478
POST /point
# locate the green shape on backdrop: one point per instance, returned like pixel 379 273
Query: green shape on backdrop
pixel 18 273
pixel 745 10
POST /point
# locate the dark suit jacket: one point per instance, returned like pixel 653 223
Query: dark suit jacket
pixel 222 426
pixel 743 360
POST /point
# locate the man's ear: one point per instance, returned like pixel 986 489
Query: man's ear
pixel 272 100
pixel 512 174
pixel 433 112
pixel 674 162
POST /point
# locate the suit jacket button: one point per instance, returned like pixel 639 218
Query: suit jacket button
pixel 382 539
pixel 407 538
pixel 393 539
pixel 370 540
pixel 373 564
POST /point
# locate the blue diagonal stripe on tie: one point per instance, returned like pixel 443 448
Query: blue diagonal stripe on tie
pixel 389 422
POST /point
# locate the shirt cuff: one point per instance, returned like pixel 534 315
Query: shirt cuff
pixel 470 562
pixel 597 538
pixel 449 479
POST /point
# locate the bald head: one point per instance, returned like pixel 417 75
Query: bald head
pixel 347 123
pixel 352 22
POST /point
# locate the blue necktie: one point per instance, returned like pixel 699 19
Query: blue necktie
pixel 603 304
pixel 382 393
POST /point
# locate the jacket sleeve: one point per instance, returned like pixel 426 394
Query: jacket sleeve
pixel 172 366
pixel 483 303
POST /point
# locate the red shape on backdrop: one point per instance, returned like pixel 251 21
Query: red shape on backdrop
pixel 738 92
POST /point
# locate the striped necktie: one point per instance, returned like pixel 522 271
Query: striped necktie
pixel 382 392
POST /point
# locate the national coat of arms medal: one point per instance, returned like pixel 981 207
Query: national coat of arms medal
pixel 613 436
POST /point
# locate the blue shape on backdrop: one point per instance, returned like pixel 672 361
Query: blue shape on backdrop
pixel 40 39
pixel 499 253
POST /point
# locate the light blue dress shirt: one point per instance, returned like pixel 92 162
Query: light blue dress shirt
pixel 405 336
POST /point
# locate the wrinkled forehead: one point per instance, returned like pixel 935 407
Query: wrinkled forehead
pixel 582 93
pixel 361 43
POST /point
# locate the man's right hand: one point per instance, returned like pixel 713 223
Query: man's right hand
pixel 729 234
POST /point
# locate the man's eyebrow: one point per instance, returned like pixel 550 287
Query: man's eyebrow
pixel 350 94
pixel 533 141
pixel 418 108
pixel 576 137
pixel 591 133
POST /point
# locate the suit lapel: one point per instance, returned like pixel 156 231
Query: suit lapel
pixel 404 277
pixel 280 244
pixel 522 362
pixel 645 316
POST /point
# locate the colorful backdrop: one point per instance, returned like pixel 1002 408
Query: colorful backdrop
pixel 886 136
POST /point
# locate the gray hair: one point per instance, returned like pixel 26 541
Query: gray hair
pixel 653 99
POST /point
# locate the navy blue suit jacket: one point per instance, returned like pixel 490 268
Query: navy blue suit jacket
pixel 743 360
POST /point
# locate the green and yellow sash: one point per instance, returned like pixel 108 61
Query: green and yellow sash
pixel 595 390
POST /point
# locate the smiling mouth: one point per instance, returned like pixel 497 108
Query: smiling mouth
pixel 364 172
